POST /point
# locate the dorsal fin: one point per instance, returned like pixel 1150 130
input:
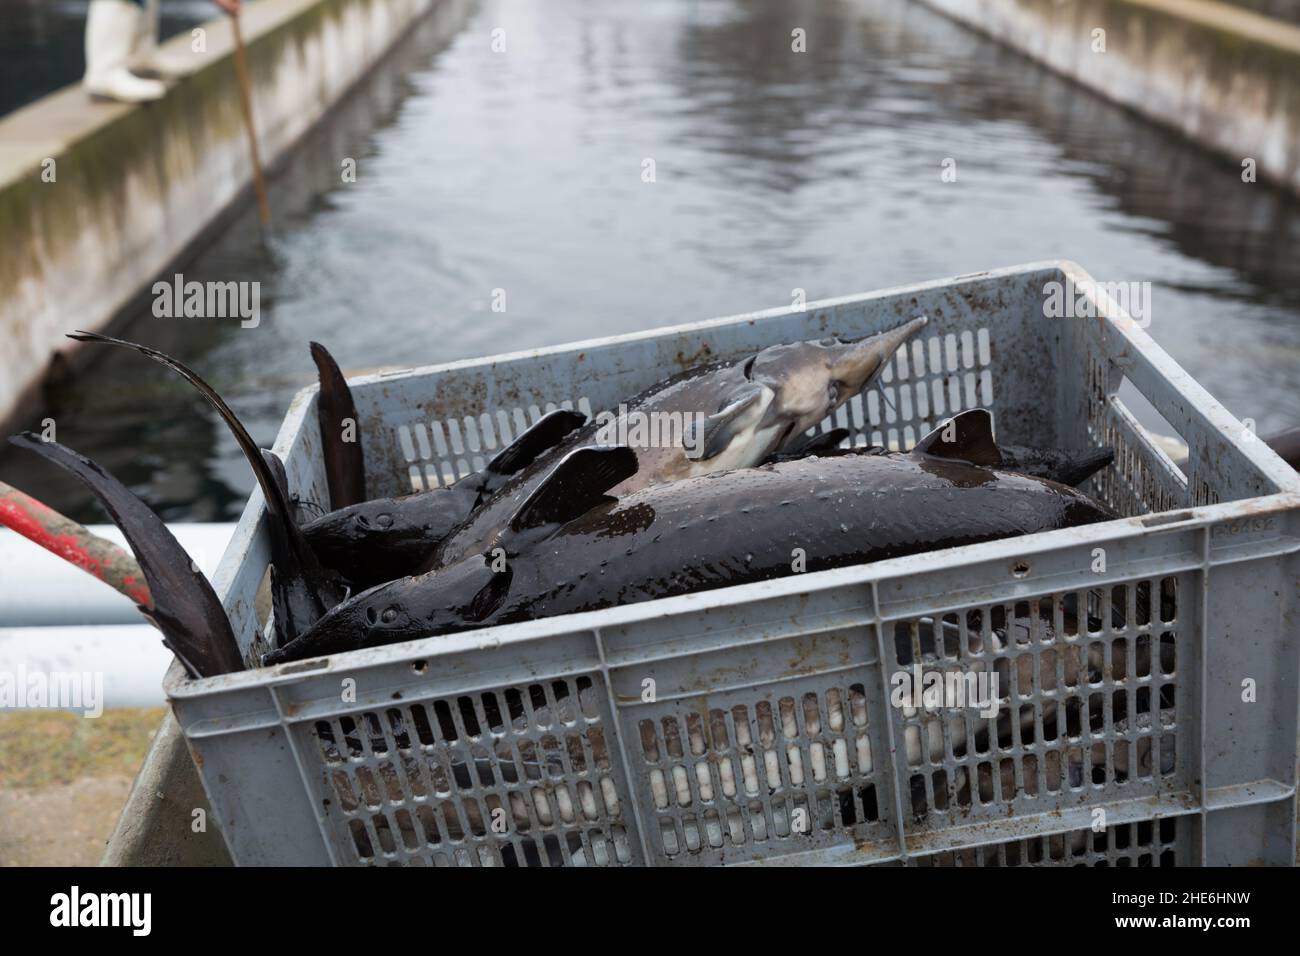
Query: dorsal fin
pixel 967 436
pixel 540 437
pixel 575 486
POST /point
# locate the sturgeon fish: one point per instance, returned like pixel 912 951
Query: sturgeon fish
pixel 751 407
pixel 570 548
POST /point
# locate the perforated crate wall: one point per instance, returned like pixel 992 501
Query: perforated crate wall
pixel 931 378
pixel 514 776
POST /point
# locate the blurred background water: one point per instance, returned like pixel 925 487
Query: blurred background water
pixel 522 171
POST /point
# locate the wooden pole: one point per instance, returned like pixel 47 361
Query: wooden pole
pixel 246 95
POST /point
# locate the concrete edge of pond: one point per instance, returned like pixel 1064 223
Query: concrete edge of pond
pixel 99 199
pixel 1221 75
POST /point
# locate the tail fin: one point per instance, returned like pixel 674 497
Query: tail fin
pixel 1083 466
pixel 186 609
pixel 310 591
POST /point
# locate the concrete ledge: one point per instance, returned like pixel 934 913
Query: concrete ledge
pixel 1227 78
pixel 135 185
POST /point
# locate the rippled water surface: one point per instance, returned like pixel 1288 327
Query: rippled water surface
pixel 522 171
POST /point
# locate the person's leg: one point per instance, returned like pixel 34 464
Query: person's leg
pixel 146 57
pixel 112 27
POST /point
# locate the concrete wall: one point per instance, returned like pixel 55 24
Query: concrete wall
pixel 1223 76
pixel 135 185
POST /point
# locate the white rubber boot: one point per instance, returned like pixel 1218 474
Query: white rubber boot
pixel 146 58
pixel 111 27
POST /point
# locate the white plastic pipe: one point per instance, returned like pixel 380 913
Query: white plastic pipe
pixel 38 589
pixel 86 669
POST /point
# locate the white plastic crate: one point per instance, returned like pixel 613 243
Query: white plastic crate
pixel 770 736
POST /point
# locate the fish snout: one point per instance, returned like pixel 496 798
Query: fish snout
pixel 860 362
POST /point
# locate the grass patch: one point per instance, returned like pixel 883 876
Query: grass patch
pixel 43 747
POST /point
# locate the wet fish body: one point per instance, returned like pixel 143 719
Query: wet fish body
pixel 741 527
pixel 710 532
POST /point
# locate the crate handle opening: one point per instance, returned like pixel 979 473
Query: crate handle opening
pixel 1172 517
pixel 303 667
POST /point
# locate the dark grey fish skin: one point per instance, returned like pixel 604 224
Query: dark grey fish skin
pixel 194 626
pixel 388 538
pixel 345 466
pixel 754 405
pixel 306 590
pixel 709 532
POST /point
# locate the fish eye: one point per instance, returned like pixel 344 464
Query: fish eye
pixel 833 391
pixel 389 615
pixel 384 520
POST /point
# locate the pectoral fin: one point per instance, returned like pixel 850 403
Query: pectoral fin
pixel 575 486
pixel 719 429
pixel 967 436
pixel 542 436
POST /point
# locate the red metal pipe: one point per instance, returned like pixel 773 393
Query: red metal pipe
pixel 98 556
